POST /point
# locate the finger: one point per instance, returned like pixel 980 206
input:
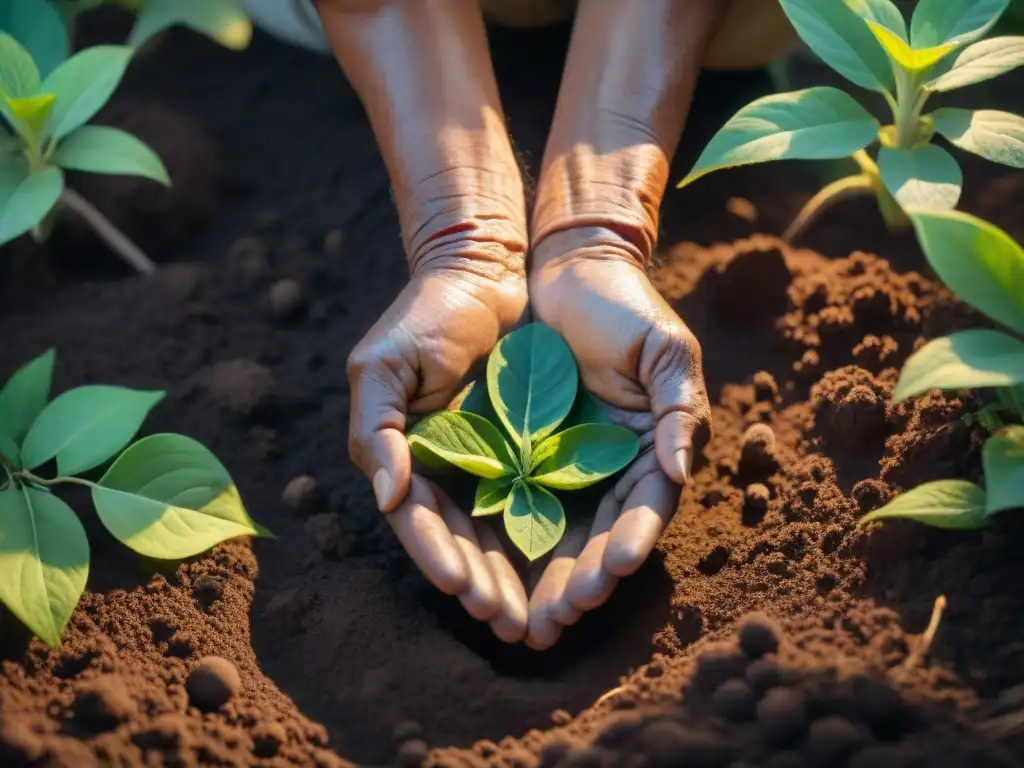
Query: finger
pixel 480 598
pixel 646 511
pixel 423 533
pixel 377 442
pixel 511 622
pixel 590 584
pixel 544 629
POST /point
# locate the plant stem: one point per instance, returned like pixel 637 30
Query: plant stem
pixel 841 189
pixel 52 481
pixel 111 235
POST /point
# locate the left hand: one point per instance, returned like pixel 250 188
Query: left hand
pixel 637 356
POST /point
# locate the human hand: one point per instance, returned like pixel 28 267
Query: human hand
pixel 638 357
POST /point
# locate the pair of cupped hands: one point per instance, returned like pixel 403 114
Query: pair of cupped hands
pixel 634 354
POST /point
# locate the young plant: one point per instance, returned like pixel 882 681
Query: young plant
pixel 868 43
pixel 47 135
pixel 533 430
pixel 985 268
pixel 166 496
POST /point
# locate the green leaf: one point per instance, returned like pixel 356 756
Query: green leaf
pixel 989 133
pixel 532 381
pixel 34 197
pixel 29 115
pixel 221 20
pixel 25 395
pixel 99 149
pixel 979 62
pixel 583 455
pixel 586 410
pixel 44 560
pixel 534 520
pixel 964 360
pixel 167 496
pixel 38 26
pixel 465 440
pixel 936 22
pixel 842 40
pixel 883 12
pixel 83 84
pixel 978 261
pixel 923 177
pixel 84 427
pixel 951 504
pixel 492 495
pixel 479 402
pixel 19 76
pixel 813 124
pixel 911 59
pixel 1002 457
pixel 10 450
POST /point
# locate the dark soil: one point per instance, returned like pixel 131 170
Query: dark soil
pixel 281 248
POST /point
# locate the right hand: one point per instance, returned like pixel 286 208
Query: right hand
pixel 414 360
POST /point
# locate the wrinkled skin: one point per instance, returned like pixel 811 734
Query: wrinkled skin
pixel 423 73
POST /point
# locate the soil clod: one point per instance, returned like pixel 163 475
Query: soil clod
pixel 301 495
pixel 213 683
pixel 287 299
pixel 783 715
pixel 758 636
pixel 104 703
pixel 412 753
pixel 324 532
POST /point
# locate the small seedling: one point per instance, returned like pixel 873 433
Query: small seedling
pixel 868 43
pixel 47 118
pixel 985 268
pixel 166 496
pixel 533 430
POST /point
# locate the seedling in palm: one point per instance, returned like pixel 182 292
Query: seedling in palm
pixel 984 267
pixel 165 496
pixel 868 43
pixel 531 431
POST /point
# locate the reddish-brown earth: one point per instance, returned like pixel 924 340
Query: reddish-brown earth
pixel 328 646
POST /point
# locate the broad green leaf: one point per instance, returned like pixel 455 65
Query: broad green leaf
pixel 951 504
pixel 534 520
pixel 532 381
pixel 982 61
pixel 221 20
pixel 167 496
pixel 44 560
pixel 465 440
pixel 586 410
pixel 923 177
pixel 937 22
pixel 492 495
pixel 84 427
pixel 1002 457
pixel 479 402
pixel 842 40
pixel 883 12
pixel 910 59
pixel 813 124
pixel 38 26
pixel 978 261
pixel 83 84
pixel 964 360
pixel 99 149
pixel 19 76
pixel 30 114
pixel 25 395
pixel 583 455
pixel 30 202
pixel 994 135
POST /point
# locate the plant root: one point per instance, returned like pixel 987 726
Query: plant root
pixel 928 637
pixel 607 695
pixel 839 190
pixel 129 252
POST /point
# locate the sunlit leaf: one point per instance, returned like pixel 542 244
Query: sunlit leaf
pixel 936 22
pixel 221 20
pixel 979 62
pixel 922 177
pixel 1002 456
pixel 33 198
pixel 964 360
pixel 83 84
pixel 99 149
pixel 492 495
pixel 25 395
pixel 910 59
pixel 534 520
pixel 952 504
pixel 464 440
pixel 19 76
pixel 581 456
pixel 989 133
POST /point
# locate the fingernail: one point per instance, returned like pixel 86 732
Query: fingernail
pixel 684 460
pixel 381 487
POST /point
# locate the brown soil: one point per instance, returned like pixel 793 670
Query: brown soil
pixel 325 647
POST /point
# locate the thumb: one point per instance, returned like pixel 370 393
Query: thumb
pixel 377 416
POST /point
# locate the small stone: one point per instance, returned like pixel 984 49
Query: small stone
pixel 300 495
pixel 734 700
pixel 286 299
pixel 758 636
pixel 324 531
pixel 334 243
pixel 831 740
pixel 413 753
pixel 783 715
pixel 407 730
pixel 213 683
pixel 765 388
pixel 207 591
pixel 103 703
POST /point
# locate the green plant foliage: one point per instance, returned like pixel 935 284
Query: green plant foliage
pixel 98 149
pixel 39 27
pixel 528 428
pixel 867 42
pixel 223 21
pixel 1003 460
pixel 165 496
pixel 952 504
pixel 964 360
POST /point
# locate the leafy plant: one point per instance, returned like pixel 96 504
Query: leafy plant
pixel 165 496
pixel 47 135
pixel 531 431
pixel 868 42
pixel 984 267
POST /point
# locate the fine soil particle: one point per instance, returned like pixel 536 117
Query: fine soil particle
pixel 335 637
